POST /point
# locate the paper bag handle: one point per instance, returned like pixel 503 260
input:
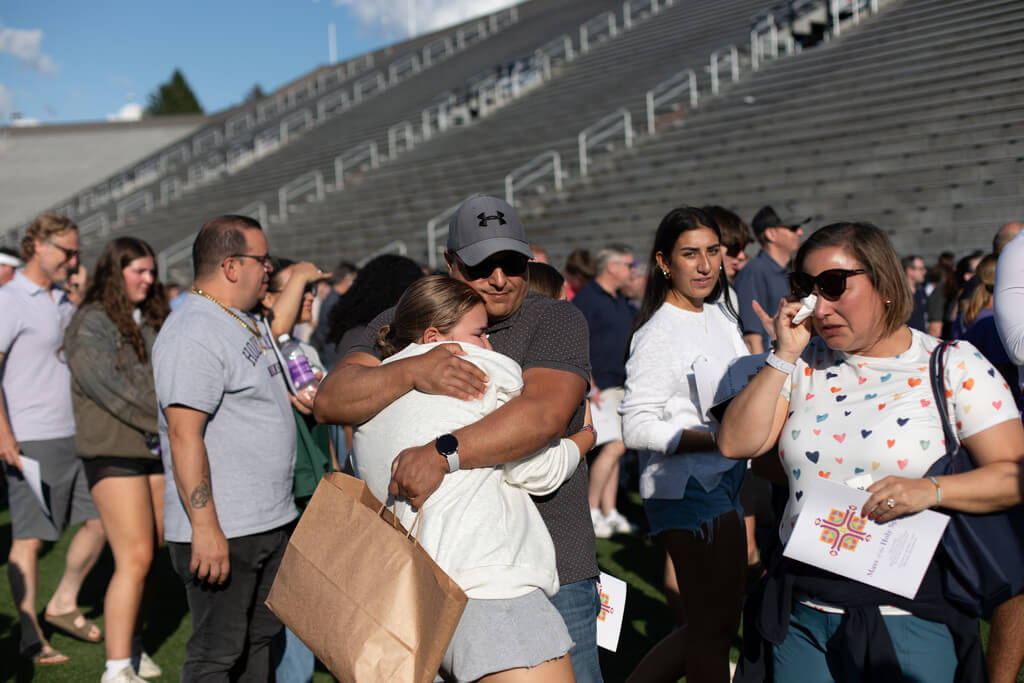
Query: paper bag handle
pixel 414 529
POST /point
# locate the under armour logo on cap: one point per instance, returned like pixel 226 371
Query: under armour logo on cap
pixel 484 218
pixel 472 243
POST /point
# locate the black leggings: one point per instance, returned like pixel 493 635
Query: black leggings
pixel 711 566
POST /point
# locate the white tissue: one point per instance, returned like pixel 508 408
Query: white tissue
pixel 807 305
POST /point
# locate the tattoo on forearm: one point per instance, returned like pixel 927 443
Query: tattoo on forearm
pixel 200 495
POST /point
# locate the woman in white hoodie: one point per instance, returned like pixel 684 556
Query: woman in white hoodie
pixel 480 526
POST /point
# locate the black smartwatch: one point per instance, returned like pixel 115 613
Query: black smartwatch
pixel 448 446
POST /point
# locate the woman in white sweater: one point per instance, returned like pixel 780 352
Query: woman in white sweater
pixel 686 336
pixel 480 526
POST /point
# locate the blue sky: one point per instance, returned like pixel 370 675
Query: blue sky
pixel 71 60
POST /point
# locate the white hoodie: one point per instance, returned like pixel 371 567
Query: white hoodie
pixel 480 525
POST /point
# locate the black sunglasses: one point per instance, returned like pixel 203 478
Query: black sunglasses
pixel 831 283
pixel 68 253
pixel 735 249
pixel 262 258
pixel 511 264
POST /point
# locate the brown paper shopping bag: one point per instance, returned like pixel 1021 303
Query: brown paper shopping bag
pixel 363 595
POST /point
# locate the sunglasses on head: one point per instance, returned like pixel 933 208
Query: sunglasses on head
pixel 830 283
pixel 511 264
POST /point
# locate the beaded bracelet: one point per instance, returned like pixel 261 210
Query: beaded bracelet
pixel 938 490
pixel 589 428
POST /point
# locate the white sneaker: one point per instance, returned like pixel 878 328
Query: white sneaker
pixel 125 675
pixel 602 529
pixel 618 523
pixel 147 668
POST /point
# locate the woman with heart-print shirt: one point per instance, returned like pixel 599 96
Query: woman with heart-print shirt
pixel 855 406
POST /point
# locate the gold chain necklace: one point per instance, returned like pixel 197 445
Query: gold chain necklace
pixel 252 329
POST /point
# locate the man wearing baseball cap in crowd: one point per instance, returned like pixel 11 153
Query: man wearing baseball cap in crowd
pixel 488 249
pixel 764 278
pixel 9 262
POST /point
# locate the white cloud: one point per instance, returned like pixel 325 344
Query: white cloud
pixel 129 112
pixel 26 46
pixel 6 102
pixel 413 17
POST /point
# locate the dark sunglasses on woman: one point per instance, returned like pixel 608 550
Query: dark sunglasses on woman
pixel 830 283
pixel 734 249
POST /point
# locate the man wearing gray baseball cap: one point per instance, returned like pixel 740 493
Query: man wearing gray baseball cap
pixel 487 249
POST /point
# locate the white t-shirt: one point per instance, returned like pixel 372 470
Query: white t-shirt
pixel 676 361
pixel 853 415
pixel 480 525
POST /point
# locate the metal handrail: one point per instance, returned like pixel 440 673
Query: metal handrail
pixel 732 54
pixel 533 170
pixel 403 65
pixel 667 90
pixel 256 210
pixel 359 88
pixel 400 132
pixel 627 11
pixel 328 104
pixel 169 186
pixel 604 19
pixel 480 33
pixel 561 45
pixel 312 180
pixel 600 131
pixel 266 141
pixel 429 55
pixel 238 157
pixel 304 117
pixel 98 223
pixel 435 113
pixel 396 247
pixel 140 200
pixel 199 141
pixel 353 155
pixel 438 227
pixel 238 124
pixel 178 251
pixel 756 50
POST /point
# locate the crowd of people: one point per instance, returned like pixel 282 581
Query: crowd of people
pixel 503 401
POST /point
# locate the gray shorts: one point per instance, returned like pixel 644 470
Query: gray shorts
pixel 495 635
pixel 64 486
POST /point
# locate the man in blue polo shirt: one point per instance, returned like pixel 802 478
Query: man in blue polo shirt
pixel 764 278
pixel 610 318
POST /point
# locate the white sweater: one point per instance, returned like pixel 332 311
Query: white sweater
pixel 480 525
pixel 676 361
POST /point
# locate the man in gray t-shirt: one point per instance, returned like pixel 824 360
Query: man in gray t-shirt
pixel 228 444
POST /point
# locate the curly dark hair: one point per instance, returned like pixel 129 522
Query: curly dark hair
pixel 106 289
pixel 377 287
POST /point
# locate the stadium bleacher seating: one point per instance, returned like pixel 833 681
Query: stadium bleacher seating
pixel 911 119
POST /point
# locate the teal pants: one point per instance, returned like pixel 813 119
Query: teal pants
pixel 810 650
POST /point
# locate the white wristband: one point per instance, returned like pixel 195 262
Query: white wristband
pixel 781 365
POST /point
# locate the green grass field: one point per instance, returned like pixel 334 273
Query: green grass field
pixel 632 558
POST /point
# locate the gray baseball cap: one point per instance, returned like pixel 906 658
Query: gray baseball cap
pixel 483 226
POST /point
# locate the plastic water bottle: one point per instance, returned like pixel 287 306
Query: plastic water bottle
pixel 303 379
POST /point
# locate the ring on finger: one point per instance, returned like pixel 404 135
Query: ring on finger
pixel 891 503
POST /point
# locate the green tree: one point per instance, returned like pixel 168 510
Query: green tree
pixel 173 97
pixel 255 94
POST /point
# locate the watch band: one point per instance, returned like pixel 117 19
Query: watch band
pixel 453 461
pixel 781 365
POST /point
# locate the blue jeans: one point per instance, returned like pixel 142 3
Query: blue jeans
pixel 293 662
pixel 579 604
pixel 924 648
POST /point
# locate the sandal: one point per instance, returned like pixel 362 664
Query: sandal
pixel 66 623
pixel 48 656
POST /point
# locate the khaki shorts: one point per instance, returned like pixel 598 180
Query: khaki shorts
pixel 64 488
